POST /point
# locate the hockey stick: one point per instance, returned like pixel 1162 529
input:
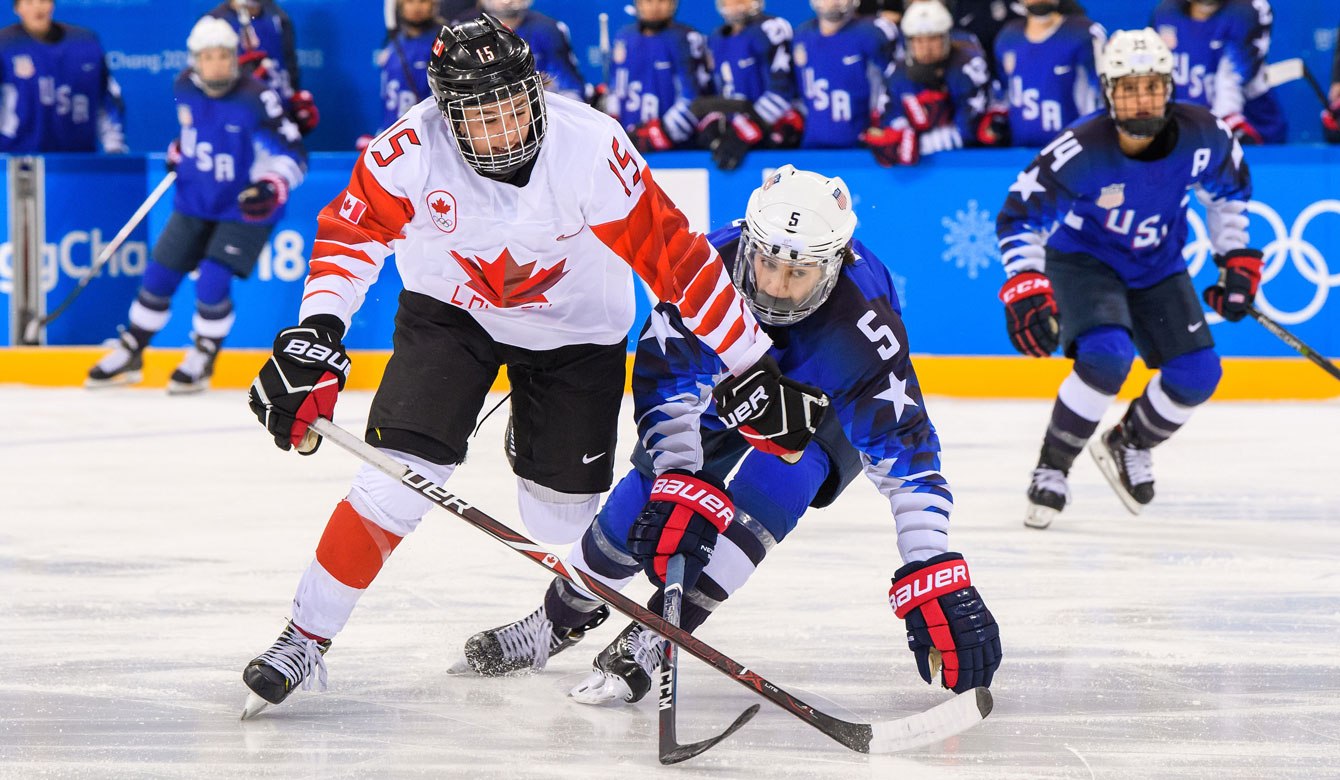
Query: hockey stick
pixel 31 331
pixel 604 19
pixel 918 730
pixel 671 751
pixel 1293 341
pixel 1286 71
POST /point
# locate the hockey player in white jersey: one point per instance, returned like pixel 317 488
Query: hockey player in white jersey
pixel 517 224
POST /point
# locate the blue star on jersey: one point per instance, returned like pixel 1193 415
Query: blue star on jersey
pixel 1052 82
pixel 841 79
pixel 1081 194
pixel 56 95
pixel 754 64
pixel 229 142
pixel 657 74
pixel 1218 63
pixel 404 73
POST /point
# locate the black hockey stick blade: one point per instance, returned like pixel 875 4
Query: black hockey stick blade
pixel 671 752
pixel 1295 343
pixel 917 730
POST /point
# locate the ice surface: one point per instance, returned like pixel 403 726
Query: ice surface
pixel 149 546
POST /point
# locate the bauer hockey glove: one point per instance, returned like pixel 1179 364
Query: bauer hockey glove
pixel 945 613
pixel 1239 277
pixel 263 198
pixel 683 516
pixel 1031 315
pixel 775 414
pixel 301 381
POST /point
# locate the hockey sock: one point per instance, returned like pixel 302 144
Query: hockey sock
pixel 1075 416
pixel 353 548
pixel 554 517
pixel 1154 417
pixel 213 321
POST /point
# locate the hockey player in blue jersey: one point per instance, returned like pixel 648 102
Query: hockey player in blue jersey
pixel 1330 116
pixel 840 61
pixel 404 60
pixel 56 93
pixel 750 56
pixel 237 158
pixel 830 306
pixel 549 40
pixel 1092 235
pixel 939 93
pixel 1219 53
pixel 1046 63
pixel 268 50
pixel 659 69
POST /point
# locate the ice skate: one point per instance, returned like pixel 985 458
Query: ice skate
pixel 1048 494
pixel 624 670
pixel 193 375
pixel 1128 469
pixel 124 365
pixel 274 674
pixel 523 647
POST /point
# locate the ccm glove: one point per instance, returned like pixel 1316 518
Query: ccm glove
pixel 683 516
pixel 775 414
pixel 263 198
pixel 301 381
pixel 945 613
pixel 1031 315
pixel 1239 277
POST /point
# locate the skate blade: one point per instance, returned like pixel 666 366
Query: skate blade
pixel 600 688
pixel 186 388
pixel 253 706
pixel 1108 467
pixel 461 668
pixel 1039 516
pixel 120 380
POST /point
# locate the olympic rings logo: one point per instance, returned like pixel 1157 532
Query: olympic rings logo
pixel 1288 248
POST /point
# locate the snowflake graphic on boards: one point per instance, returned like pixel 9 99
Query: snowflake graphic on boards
pixel 971 238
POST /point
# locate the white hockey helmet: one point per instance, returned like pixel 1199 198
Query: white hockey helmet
pixel 1136 53
pixel 741 12
pixel 212 33
pixel 927 17
pixel 797 228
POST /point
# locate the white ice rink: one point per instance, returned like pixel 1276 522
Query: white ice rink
pixel 149 548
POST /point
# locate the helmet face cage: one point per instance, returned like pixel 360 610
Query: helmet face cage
pixel 500 130
pixel 1136 127
pixel 1134 53
pixel 779 253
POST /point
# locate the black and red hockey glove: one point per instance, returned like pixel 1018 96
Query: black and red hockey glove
pixel 683 516
pixel 263 198
pixel 305 113
pixel 927 109
pixel 301 381
pixel 892 147
pixel 993 129
pixel 650 136
pixel 945 613
pixel 1031 315
pixel 1330 123
pixel 774 414
pixel 1239 278
pixel 787 132
pixel 1243 130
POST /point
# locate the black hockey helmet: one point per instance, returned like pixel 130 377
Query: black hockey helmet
pixel 484 80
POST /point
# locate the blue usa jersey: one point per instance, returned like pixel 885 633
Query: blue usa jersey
pixel 854 347
pixel 1081 194
pixel 227 143
pixel 755 65
pixel 1218 63
pixel 405 73
pixel 271 31
pixel 657 74
pixel 1050 83
pixel 552 46
pixel 967 80
pixel 841 79
pixel 56 95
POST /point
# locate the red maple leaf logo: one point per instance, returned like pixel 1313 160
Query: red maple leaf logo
pixel 441 206
pixel 505 284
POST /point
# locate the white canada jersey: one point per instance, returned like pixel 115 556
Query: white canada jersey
pixel 540 266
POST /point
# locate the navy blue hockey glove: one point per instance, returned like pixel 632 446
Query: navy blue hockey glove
pixel 774 414
pixel 260 201
pixel 945 614
pixel 1239 278
pixel 683 515
pixel 1031 315
pixel 301 381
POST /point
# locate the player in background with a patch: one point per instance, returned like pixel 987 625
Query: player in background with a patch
pixel 1092 235
pixel 1046 63
pixel 840 60
pixel 1219 52
pixel 517 218
pixel 836 323
pixel 750 56
pixel 237 158
pixel 939 94
pixel 404 61
pixel 549 40
pixel 659 67
pixel 268 50
pixel 56 92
